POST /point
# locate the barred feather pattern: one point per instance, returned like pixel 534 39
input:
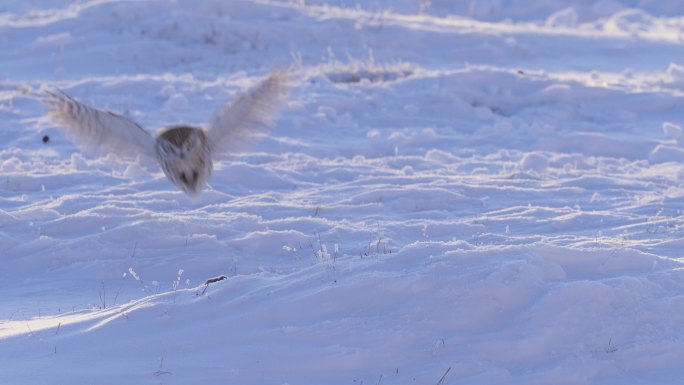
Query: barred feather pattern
pixel 99 131
pixel 184 152
pixel 246 120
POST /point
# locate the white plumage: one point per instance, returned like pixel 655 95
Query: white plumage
pixel 184 152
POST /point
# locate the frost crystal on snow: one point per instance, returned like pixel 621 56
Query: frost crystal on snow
pixel 133 274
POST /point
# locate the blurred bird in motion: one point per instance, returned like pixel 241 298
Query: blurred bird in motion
pixel 184 152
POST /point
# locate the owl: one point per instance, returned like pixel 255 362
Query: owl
pixel 184 152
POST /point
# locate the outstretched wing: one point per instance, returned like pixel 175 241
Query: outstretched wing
pixel 102 132
pixel 250 117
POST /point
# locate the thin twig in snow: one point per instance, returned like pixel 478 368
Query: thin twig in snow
pixel 441 380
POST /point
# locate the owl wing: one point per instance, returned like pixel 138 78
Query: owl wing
pixel 100 131
pixel 249 117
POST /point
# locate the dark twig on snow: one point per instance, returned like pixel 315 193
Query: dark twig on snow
pixel 215 279
pixel 212 280
pixel 441 380
pixel 161 370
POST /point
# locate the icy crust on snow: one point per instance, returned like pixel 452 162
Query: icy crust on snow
pixel 374 318
pixel 456 192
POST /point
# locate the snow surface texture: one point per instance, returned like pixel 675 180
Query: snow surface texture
pixel 457 192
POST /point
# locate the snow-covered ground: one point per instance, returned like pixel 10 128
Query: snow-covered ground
pixel 457 192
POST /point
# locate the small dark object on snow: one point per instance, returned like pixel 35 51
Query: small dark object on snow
pixel 210 281
pixel 215 279
pixel 46 139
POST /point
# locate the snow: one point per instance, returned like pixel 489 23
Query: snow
pixel 482 192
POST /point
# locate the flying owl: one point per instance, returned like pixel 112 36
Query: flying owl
pixel 184 152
